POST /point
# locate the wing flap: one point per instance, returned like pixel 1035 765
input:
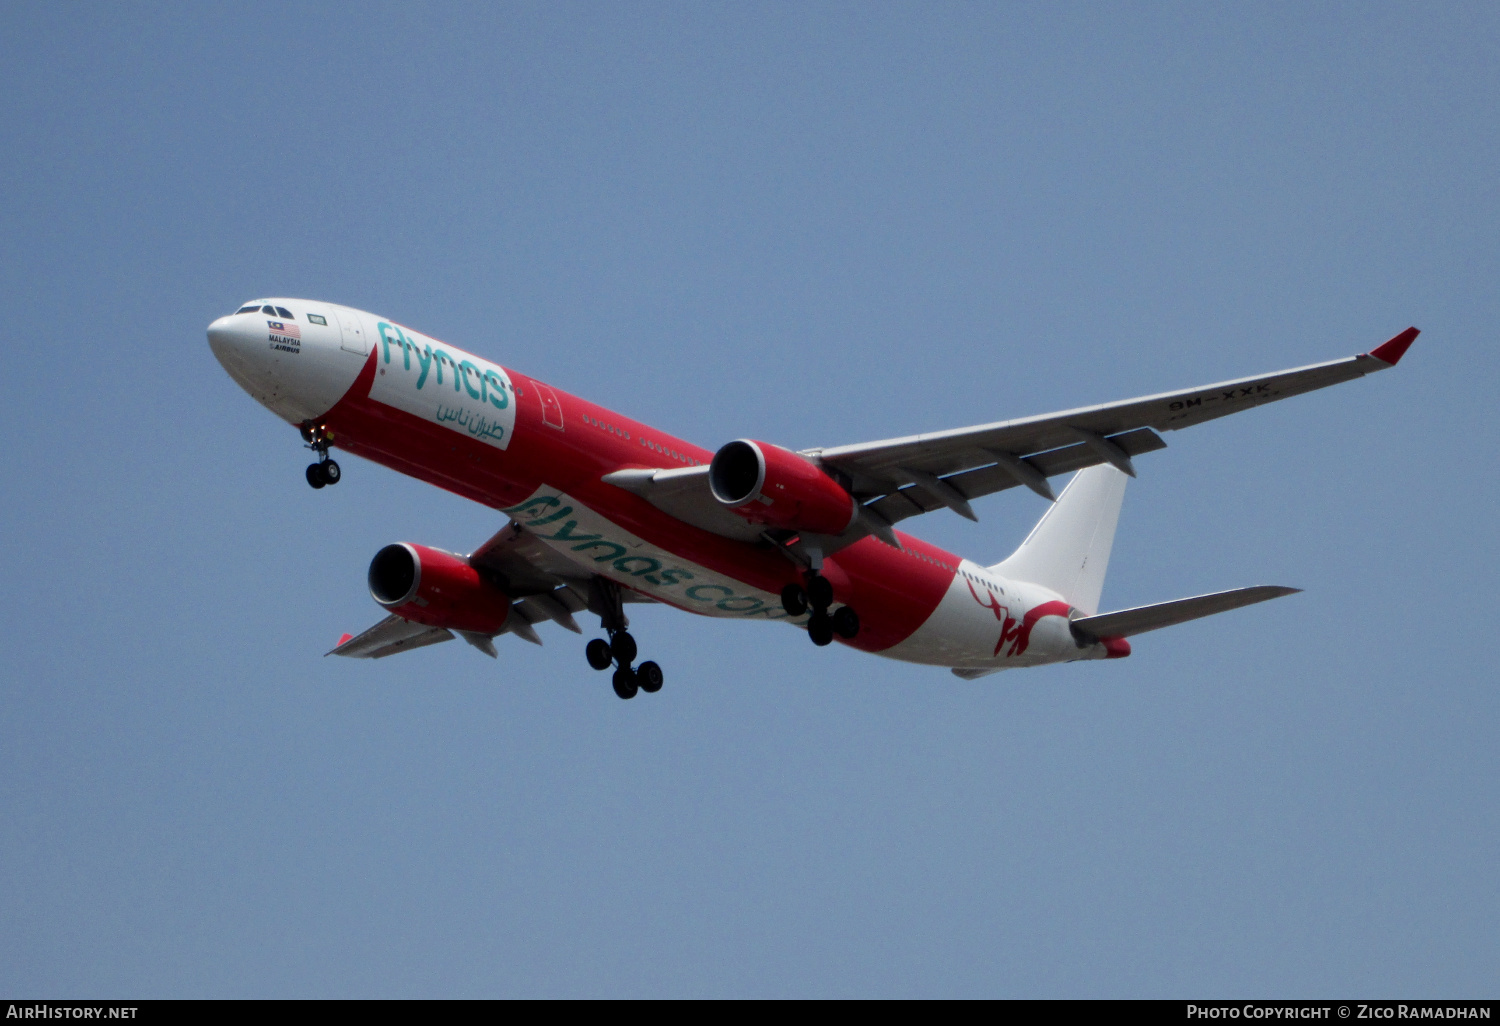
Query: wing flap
pixel 523 566
pixel 972 484
pixel 558 606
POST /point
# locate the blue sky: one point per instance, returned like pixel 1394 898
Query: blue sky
pixel 815 224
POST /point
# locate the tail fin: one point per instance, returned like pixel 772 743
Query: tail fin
pixel 1068 550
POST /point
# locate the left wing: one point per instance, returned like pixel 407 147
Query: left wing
pixel 389 636
pixel 902 477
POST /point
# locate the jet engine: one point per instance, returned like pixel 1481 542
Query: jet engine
pixel 767 484
pixel 436 588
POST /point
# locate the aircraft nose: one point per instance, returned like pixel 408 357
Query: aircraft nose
pixel 221 335
pixel 233 341
pixel 296 366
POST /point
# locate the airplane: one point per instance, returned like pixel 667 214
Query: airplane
pixel 605 511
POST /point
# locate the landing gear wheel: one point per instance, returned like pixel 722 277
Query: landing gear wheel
pixel 318 439
pixel 648 676
pixel 598 653
pixel 794 600
pixel 820 629
pixel 820 592
pixel 622 645
pixel 845 622
pixel 625 683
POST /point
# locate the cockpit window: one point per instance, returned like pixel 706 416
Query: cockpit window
pixel 247 309
pixel 268 309
pixel 283 312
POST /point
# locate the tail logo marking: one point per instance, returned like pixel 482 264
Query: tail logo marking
pixel 1016 632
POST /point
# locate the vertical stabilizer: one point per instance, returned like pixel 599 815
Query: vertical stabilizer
pixel 1068 550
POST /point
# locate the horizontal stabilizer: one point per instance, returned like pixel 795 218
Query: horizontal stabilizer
pixel 1141 619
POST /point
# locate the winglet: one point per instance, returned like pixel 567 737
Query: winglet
pixel 1392 351
pixel 342 638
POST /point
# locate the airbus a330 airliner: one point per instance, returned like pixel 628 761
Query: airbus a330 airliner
pixel 606 511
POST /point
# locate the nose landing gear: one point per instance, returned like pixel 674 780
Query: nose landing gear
pixel 818 596
pixel 325 471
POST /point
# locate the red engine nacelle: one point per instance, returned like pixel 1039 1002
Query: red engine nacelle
pixel 767 484
pixel 436 588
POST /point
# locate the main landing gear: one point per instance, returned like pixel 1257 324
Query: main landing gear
pixel 818 596
pixel 620 650
pixel 325 471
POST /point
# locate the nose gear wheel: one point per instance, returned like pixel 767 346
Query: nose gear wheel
pixel 325 471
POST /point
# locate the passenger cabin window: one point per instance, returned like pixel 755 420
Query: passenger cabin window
pixel 285 314
pixel 247 309
pixel 317 318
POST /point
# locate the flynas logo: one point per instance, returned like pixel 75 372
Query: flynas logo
pixel 593 541
pixel 452 388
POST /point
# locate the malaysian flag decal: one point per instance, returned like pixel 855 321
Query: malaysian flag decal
pixel 284 328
